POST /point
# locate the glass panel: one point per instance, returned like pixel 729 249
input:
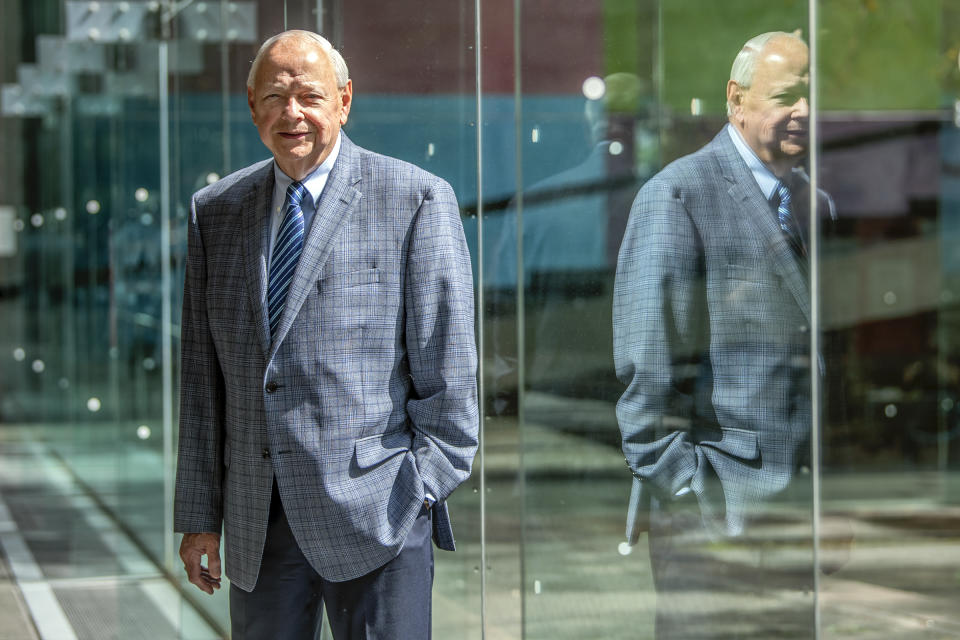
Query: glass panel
pixel 586 139
pixel 709 330
pixel 415 99
pixel 87 307
pixel 210 136
pixel 889 282
pixel 502 452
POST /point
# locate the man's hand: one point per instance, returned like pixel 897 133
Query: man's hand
pixel 193 547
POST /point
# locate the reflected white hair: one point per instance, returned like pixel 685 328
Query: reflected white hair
pixel 745 64
pixel 339 64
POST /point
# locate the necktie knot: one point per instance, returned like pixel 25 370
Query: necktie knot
pixel 783 195
pixel 788 224
pixel 295 193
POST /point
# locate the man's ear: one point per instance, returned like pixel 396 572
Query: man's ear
pixel 253 114
pixel 734 97
pixel 346 99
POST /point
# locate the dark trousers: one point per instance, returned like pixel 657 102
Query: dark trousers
pixel 389 603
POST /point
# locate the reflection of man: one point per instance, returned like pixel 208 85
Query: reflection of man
pixel 329 400
pixel 711 317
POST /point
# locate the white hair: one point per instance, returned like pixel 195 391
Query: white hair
pixel 336 60
pixel 745 64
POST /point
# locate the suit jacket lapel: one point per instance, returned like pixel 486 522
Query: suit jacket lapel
pixel 337 202
pixel 746 193
pixel 256 231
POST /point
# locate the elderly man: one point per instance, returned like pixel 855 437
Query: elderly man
pixel 328 393
pixel 711 337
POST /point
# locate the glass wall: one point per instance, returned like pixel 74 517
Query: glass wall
pixel 888 125
pixel 705 413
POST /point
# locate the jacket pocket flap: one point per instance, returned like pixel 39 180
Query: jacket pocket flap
pixel 739 443
pixel 743 273
pixel 375 449
pixel 350 279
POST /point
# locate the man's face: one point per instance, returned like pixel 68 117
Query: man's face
pixel 774 112
pixel 296 105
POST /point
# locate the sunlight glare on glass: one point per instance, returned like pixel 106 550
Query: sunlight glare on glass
pixel 594 88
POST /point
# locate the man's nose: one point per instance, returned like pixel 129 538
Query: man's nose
pixel 293 109
pixel 802 108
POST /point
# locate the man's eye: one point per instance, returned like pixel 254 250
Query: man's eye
pixel 789 98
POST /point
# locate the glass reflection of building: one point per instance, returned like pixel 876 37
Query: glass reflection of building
pixel 115 112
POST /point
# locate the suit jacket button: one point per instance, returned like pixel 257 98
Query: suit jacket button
pixel 271 387
pixel 266 452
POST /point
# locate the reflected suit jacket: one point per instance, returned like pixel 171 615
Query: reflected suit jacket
pixel 711 337
pixel 366 398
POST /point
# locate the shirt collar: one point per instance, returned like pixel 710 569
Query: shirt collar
pixel 765 178
pixel 315 180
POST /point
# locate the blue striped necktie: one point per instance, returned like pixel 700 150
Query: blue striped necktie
pixel 788 223
pixel 286 254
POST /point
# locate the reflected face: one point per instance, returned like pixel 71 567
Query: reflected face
pixel 296 105
pixel 773 114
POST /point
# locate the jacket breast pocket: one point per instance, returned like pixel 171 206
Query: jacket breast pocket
pixel 749 286
pixel 347 301
pixel 749 311
pixel 349 279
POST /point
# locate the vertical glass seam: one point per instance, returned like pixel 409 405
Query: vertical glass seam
pixel 478 88
pixel 68 260
pixel 520 304
pixel 166 304
pixel 816 362
pixel 225 147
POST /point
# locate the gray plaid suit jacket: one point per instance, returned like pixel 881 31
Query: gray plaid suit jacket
pixel 366 398
pixel 711 337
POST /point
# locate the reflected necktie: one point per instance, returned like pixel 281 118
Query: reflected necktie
pixel 787 222
pixel 286 254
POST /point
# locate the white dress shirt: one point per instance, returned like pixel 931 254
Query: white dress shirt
pixel 314 182
pixel 761 172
